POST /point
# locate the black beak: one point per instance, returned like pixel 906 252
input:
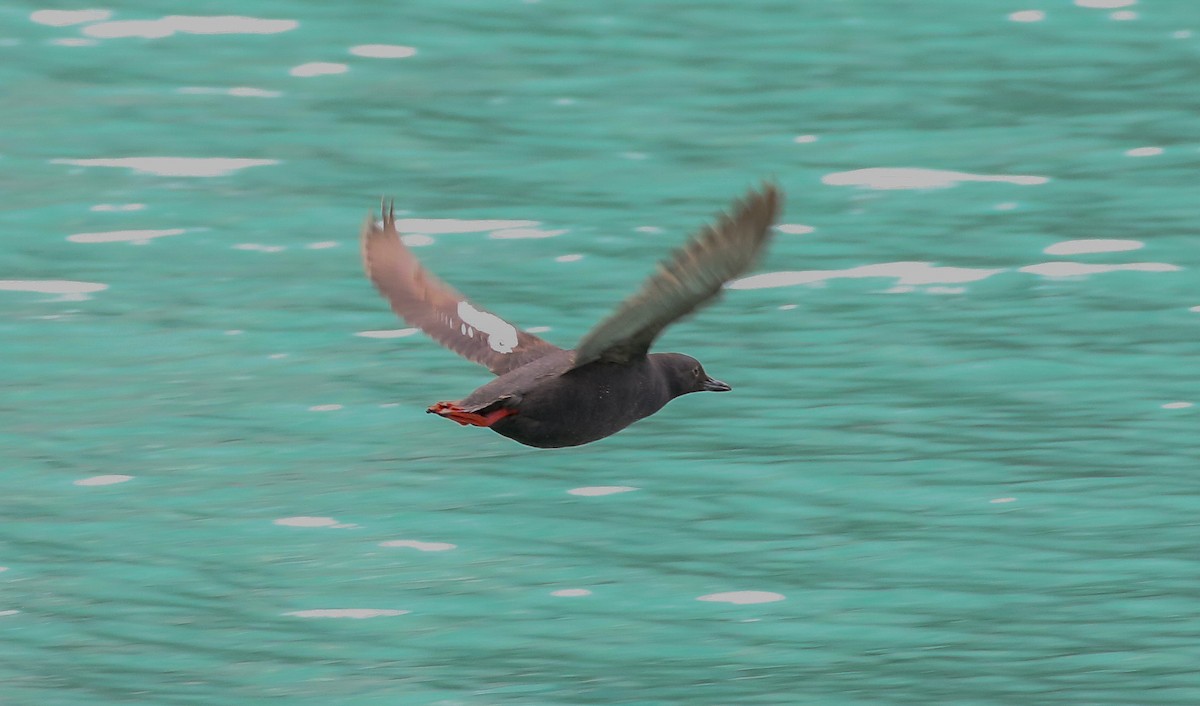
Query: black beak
pixel 712 385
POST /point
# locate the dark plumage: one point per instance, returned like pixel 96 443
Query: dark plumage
pixel 549 397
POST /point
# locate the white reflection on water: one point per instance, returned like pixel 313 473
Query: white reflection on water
pixel 419 546
pixel 318 68
pixel 1105 4
pixel 596 490
pixel 355 613
pixel 69 289
pixel 306 521
pixel 259 247
pixel 1027 16
pixel 239 91
pixel 743 597
pixel 111 479
pixel 1079 269
pixel 1098 245
pixel 109 207
pixel 440 226
pixel 794 228
pixel 1144 152
pixel 63 18
pixel 188 24
pixel 174 166
pixel 137 237
pixel 906 273
pixel 383 51
pixel 520 233
pixel 914 274
pixel 918 178
pixel 416 240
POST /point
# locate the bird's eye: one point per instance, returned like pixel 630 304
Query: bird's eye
pixel 696 371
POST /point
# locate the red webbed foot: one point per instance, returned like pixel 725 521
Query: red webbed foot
pixel 449 410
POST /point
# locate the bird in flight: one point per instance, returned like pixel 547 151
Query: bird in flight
pixel 546 396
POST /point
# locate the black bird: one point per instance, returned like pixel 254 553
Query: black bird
pixel 548 397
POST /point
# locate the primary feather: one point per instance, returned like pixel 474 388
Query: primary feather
pixel 433 306
pixel 688 280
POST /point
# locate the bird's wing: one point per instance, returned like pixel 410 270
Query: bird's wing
pixel 691 278
pixel 449 318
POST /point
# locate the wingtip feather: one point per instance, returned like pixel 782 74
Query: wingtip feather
pixel 690 278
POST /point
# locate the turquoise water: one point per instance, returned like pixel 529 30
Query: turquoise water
pixel 959 464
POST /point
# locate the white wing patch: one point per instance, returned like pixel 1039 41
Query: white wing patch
pixel 502 336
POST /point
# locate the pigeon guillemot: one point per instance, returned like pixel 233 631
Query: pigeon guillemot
pixel 548 397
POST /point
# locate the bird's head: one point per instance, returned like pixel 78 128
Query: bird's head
pixel 685 374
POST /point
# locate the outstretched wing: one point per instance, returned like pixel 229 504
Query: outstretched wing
pixel 691 278
pixel 424 301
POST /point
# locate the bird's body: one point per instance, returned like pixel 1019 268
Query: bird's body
pixel 549 404
pixel 548 397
